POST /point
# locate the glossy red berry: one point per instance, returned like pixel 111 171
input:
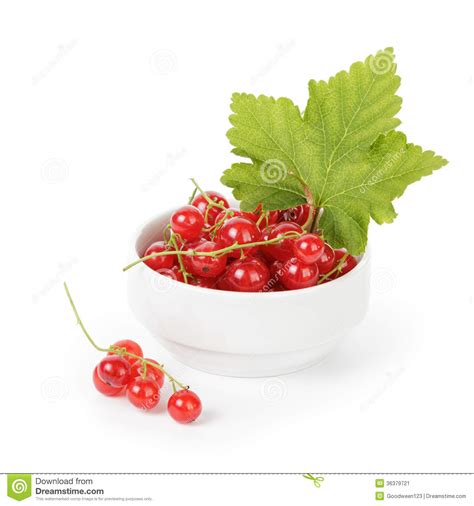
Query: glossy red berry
pixel 282 250
pixel 188 222
pixel 114 371
pixel 299 214
pixel 299 275
pixel 143 393
pixel 349 263
pixel 152 372
pixel 203 282
pixel 207 266
pixel 246 275
pixel 210 212
pixel 184 406
pixel 105 388
pixel 163 262
pixel 173 273
pixel 308 248
pixel 238 230
pixel 327 260
pixel 129 346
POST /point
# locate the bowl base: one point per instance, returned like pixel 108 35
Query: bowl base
pixel 248 365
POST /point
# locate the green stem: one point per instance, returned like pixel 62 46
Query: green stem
pixel 79 321
pixel 219 252
pixel 335 269
pixel 118 350
pixel 204 194
pixel 182 268
pixel 191 198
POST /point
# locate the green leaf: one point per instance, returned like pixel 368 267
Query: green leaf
pixel 341 156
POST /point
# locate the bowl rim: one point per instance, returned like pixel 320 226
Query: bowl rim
pixel 362 261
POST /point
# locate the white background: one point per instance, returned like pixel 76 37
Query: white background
pixel 136 101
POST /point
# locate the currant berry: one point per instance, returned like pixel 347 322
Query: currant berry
pixel 105 388
pixel 238 230
pixel 246 275
pixel 163 262
pixel 144 393
pixel 207 266
pixel 184 406
pixel 349 263
pixel 173 273
pixel 299 214
pixel 114 371
pixel 151 371
pixel 327 260
pixel 308 248
pixel 282 250
pixel 130 347
pixel 188 222
pixel 203 282
pixel 208 211
pixel 299 275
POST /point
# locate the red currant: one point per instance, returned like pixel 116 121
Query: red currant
pixel 163 262
pixel 129 346
pixel 308 248
pixel 184 406
pixel 240 230
pixel 299 275
pixel 203 282
pixel 349 263
pixel 207 266
pixel 327 260
pixel 210 212
pixel 246 275
pixel 299 214
pixel 143 393
pixel 151 371
pixel 105 388
pixel 188 222
pixel 114 371
pixel 284 249
pixel 173 273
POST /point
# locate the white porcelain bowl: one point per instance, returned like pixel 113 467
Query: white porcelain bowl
pixel 245 334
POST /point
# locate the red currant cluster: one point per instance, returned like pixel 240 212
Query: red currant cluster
pixel 125 371
pixel 209 244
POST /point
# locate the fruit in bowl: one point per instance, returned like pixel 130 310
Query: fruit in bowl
pixel 270 283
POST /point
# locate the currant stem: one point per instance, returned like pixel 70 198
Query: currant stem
pixel 220 252
pixel 79 321
pixel 204 194
pixel 335 269
pixel 118 350
pixel 182 268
